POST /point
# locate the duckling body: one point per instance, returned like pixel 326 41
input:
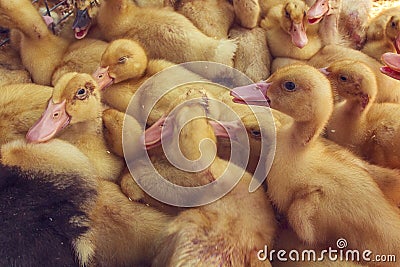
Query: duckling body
pixel 11 69
pixel 75 105
pixel 371 128
pixel 172 31
pixel 46 198
pixel 295 182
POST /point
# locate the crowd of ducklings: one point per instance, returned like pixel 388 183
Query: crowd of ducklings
pixel 328 73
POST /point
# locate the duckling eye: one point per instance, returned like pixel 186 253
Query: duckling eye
pixel 255 133
pixel 81 93
pixel 122 60
pixel 290 86
pixel 393 24
pixel 287 14
pixel 343 78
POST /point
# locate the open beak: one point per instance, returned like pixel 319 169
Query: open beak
pixel 53 120
pixel 397 44
pixel 392 69
pixel 299 36
pixel 102 77
pixel 317 12
pixel 253 94
pixel 81 24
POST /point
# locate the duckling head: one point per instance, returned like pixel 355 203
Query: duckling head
pixel 122 60
pixel 299 91
pixel 85 13
pixel 318 11
pixel 392 68
pixel 75 99
pixel 393 31
pixel 352 80
pixel 294 21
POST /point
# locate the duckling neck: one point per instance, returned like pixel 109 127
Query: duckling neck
pixel 78 133
pixel 30 23
pixel 305 132
pixel 197 135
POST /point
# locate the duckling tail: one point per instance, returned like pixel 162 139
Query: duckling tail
pixel 225 52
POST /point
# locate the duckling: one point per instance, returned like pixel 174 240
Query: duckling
pixel 75 105
pixel 389 43
pixel 173 32
pixel 199 236
pixel 252 55
pixel 369 129
pixel 308 183
pixel 247 12
pixel 387 88
pixel 11 69
pixel 212 17
pixel 21 105
pixel 287 23
pixel 378 25
pixel 124 67
pixel 341 19
pixel 39 45
pixel 387 179
pixel 46 198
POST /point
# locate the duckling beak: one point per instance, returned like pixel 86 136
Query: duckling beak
pixel 48 20
pixel 253 94
pixel 102 77
pixel 53 120
pixel 81 24
pixel 316 13
pixel 299 36
pixel 152 136
pixel 324 71
pixel 225 129
pixel 392 60
pixel 397 44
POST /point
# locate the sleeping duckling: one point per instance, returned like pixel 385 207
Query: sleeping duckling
pixel 389 43
pixel 369 129
pixel 225 232
pixel 46 197
pixel 124 67
pixel 75 105
pixel 287 24
pixel 173 32
pixel 323 197
pixel 21 105
pixel 43 53
pixel 212 17
pixel 388 89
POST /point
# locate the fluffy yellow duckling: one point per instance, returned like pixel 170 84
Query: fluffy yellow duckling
pixel 323 196
pixel 287 24
pixel 389 43
pixel 11 69
pixel 369 129
pixel 75 105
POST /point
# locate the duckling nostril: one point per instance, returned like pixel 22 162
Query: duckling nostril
pixel 56 115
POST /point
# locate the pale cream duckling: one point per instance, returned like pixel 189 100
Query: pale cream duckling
pixel 288 33
pixel 389 43
pixel 324 197
pixel 369 129
pixel 388 89
pixel 173 32
pixel 247 12
pixel 75 105
pixel 43 53
pixel 124 67
pixel 226 232
pixel 212 17
pixel 21 105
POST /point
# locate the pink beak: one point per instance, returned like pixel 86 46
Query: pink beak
pixel 53 120
pixel 397 43
pixel 225 129
pixel 299 36
pixel 316 13
pixel 253 94
pixel 102 77
pixel 153 135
